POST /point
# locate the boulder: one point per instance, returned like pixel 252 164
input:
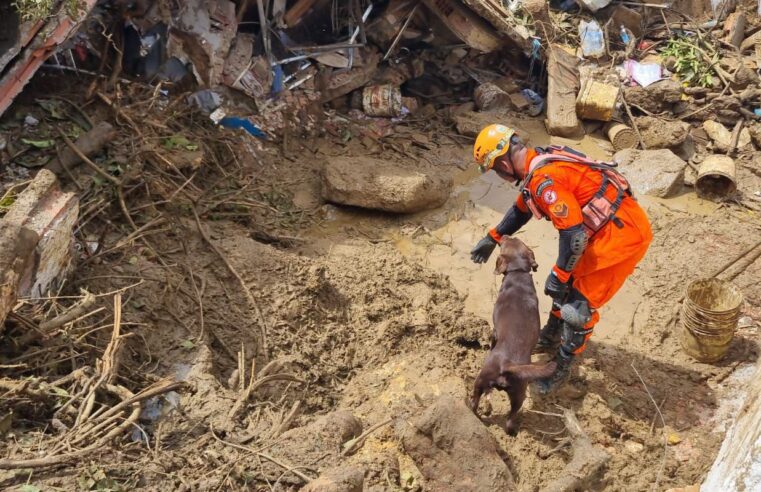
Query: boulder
pixel 655 98
pixel 652 172
pixel 454 450
pixel 380 185
pixel 662 134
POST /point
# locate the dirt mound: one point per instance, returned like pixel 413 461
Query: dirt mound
pixel 454 450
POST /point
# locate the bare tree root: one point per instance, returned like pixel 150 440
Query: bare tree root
pixel 587 462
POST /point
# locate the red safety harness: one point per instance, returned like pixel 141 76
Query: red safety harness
pixel 599 210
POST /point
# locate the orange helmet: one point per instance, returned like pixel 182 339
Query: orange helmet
pixel 492 142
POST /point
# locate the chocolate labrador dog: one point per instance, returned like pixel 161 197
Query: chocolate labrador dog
pixel 516 330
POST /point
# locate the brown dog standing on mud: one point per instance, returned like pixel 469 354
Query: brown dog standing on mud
pixel 516 329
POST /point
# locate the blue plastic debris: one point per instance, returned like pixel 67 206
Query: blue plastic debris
pixel 278 81
pixel 537 102
pixel 235 122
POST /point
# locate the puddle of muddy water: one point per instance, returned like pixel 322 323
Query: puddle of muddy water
pixel 478 202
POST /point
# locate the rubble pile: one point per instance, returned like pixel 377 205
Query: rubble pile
pixel 164 176
pixel 261 62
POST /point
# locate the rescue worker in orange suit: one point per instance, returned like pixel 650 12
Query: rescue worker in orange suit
pixel 603 233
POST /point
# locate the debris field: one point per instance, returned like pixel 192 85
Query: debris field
pixel 235 243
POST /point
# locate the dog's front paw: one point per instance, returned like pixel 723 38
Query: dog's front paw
pixel 473 405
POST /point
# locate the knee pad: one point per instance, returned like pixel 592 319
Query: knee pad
pixel 573 340
pixel 576 313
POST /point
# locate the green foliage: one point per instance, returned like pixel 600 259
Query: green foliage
pixel 691 64
pixel 178 142
pixel 34 10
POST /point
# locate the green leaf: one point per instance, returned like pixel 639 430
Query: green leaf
pixel 178 141
pixel 29 488
pixel 60 391
pixel 39 144
pixel 188 345
pixel 54 107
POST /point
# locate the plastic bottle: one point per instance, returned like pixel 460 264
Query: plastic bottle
pixel 625 35
pixel 592 40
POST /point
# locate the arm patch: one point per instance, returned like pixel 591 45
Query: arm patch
pixel 542 186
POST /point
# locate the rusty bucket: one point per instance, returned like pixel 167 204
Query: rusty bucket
pixel 382 100
pixel 710 313
pixel 716 177
pixel 621 136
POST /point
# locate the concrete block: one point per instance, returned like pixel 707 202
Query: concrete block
pixel 36 240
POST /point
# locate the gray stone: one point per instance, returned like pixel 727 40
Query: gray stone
pixel 662 134
pixel 379 185
pixel 652 172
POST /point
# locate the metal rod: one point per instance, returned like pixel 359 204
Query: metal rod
pixel 326 47
pixel 354 35
pixel 264 25
pixel 401 31
pixel 298 71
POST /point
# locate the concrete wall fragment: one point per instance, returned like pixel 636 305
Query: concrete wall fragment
pixel 36 240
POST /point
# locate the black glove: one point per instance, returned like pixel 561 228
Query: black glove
pixel 554 288
pixel 482 251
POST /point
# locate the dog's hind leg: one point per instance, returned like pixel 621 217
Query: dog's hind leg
pixel 517 395
pixel 479 389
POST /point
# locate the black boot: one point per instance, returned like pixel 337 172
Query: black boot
pixel 564 361
pixel 549 336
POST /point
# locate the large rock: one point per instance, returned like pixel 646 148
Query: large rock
pixel 377 184
pixel 655 98
pixel 455 451
pixel 652 172
pixel 662 134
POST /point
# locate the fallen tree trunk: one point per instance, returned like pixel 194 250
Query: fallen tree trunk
pixel 739 461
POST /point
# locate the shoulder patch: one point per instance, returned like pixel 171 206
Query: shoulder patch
pixel 542 186
pixel 560 210
pixel 550 197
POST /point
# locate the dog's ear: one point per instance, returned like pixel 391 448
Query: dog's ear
pixel 534 264
pixel 501 267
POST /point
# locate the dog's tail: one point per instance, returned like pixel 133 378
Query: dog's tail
pixel 531 372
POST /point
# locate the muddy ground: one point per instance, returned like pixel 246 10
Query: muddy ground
pixel 364 318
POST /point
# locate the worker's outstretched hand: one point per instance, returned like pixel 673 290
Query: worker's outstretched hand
pixel 483 250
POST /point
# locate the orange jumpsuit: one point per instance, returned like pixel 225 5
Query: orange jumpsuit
pixel 560 189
